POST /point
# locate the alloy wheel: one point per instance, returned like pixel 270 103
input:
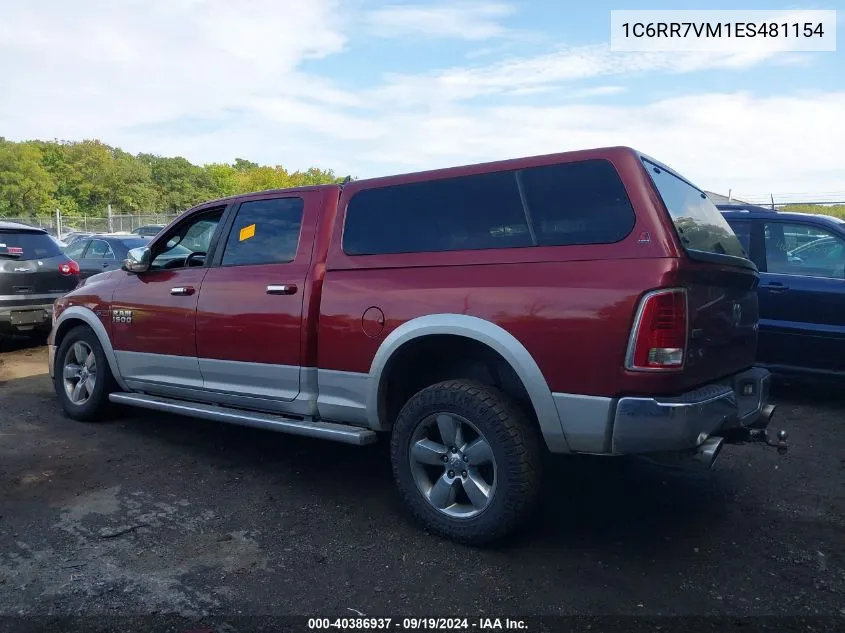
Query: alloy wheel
pixel 79 372
pixel 452 465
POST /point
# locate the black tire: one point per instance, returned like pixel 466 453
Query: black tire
pixel 517 455
pixel 98 400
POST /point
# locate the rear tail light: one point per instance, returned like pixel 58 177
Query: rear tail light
pixel 69 268
pixel 659 337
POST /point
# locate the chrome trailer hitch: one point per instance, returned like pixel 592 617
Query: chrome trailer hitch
pixel 757 432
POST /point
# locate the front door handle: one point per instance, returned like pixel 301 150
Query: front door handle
pixel 281 289
pixel 182 291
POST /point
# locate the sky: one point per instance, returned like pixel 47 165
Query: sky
pixel 371 88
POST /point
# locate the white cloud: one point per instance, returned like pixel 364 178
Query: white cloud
pixel 117 71
pixel 720 140
pixel 600 91
pixel 566 65
pixel 459 20
pixel 99 65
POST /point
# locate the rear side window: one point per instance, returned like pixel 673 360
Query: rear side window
pixel 99 250
pixel 264 232
pixel 577 203
pixel 26 245
pixel 554 205
pixel 474 212
pixel 75 250
pixel 698 223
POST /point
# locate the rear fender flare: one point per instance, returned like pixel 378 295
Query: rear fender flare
pixel 489 334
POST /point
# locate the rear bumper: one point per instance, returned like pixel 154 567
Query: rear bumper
pixel 728 408
pixel 25 318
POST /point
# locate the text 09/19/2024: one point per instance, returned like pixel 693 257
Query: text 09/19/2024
pixel 416 624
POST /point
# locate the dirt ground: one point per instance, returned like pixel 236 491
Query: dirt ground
pixel 155 514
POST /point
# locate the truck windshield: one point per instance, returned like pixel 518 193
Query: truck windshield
pixel 699 223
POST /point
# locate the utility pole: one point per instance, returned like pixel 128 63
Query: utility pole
pixel 58 223
pixel 111 228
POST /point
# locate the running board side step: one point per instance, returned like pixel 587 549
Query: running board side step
pixel 322 430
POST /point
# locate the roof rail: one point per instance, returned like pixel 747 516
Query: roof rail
pixel 747 208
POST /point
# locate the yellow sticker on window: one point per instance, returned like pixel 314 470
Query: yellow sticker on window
pixel 247 232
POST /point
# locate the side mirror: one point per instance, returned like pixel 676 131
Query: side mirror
pixel 137 260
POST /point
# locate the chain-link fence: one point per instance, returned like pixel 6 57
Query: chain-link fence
pixel 123 223
pixel 45 222
pixel 60 225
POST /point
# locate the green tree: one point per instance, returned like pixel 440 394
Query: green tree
pixel 180 183
pixel 836 210
pixel 242 164
pixel 131 183
pixel 263 178
pixel 27 189
pixel 84 177
pixel 224 178
pixel 313 176
pixel 89 177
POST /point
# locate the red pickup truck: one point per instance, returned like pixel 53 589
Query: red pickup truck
pixel 480 317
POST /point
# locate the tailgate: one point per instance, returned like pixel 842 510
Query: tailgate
pixel 721 281
pixel 723 320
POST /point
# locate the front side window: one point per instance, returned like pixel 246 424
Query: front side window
pixel 187 243
pixel 555 205
pixel 264 232
pixel 698 223
pixel 803 249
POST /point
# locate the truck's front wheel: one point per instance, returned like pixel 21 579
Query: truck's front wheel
pixel 83 379
pixel 466 461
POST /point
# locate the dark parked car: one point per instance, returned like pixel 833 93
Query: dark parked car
pixel 150 230
pixel 99 253
pixel 33 273
pixel 801 258
pixel 71 237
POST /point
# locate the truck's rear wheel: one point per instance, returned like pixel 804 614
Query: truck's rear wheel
pixel 466 461
pixel 83 378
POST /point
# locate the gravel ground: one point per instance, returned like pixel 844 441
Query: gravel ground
pixel 165 516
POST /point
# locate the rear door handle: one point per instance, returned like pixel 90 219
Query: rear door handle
pixel 775 287
pixel 281 289
pixel 182 291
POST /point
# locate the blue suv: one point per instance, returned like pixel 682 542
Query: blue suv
pixel 801 258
